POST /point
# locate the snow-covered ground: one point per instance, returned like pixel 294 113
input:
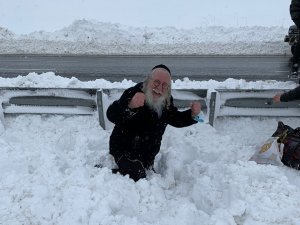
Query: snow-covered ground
pixel 93 37
pixel 134 27
pixel 204 175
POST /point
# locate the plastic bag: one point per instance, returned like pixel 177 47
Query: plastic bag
pixel 269 152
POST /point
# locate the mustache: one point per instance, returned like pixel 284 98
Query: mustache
pixel 157 91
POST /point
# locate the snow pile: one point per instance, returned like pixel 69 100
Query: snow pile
pixel 5 34
pixel 50 80
pixel 203 174
pixel 92 37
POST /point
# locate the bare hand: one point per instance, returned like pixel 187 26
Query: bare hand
pixel 196 108
pixel 276 98
pixel 137 100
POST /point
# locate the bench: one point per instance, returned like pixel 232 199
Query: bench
pixel 251 102
pixel 75 101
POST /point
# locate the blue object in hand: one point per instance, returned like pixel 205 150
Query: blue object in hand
pixel 199 118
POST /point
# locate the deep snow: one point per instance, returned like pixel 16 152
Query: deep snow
pixel 204 175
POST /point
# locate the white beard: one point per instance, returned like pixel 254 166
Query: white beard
pixel 158 105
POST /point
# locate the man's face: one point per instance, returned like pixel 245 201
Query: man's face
pixel 159 84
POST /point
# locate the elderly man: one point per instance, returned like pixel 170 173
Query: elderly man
pixel 140 117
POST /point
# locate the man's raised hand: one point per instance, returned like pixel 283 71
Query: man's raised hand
pixel 196 108
pixel 138 100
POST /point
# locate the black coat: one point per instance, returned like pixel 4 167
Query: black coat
pixel 138 132
pixel 295 12
pixel 291 95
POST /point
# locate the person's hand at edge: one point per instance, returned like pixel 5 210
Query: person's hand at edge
pixel 276 98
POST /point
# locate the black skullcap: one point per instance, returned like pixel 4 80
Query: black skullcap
pixel 162 66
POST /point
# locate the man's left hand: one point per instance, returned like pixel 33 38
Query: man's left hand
pixel 196 108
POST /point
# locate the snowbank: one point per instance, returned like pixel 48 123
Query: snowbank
pixel 91 37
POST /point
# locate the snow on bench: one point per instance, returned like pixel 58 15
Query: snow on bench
pixel 20 100
pixel 251 102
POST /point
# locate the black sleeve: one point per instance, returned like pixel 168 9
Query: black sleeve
pixel 119 112
pixel 179 118
pixel 291 95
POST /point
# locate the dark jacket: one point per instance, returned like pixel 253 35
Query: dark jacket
pixel 295 12
pixel 138 132
pixel 291 95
